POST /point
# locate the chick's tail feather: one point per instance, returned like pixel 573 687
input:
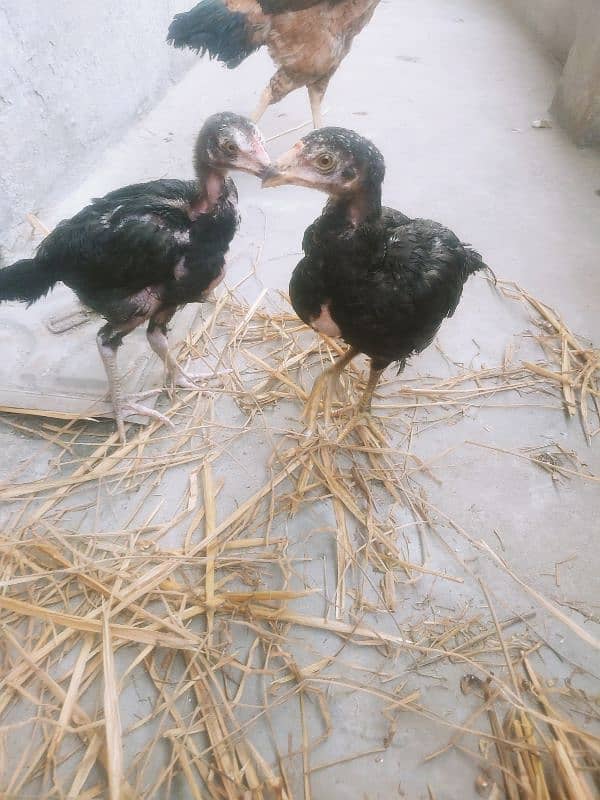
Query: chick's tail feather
pixel 475 263
pixel 26 281
pixel 210 27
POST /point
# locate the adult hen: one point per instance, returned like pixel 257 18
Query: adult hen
pixel 142 251
pixel 307 39
pixel 371 275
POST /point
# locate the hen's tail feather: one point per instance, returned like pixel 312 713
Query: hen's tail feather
pixel 210 27
pixel 26 281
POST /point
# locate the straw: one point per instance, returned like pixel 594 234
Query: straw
pixel 140 571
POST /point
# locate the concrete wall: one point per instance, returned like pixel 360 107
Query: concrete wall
pixel 570 31
pixel 73 75
pixel 576 104
pixel 553 21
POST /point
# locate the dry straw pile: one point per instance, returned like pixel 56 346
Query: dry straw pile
pixel 194 611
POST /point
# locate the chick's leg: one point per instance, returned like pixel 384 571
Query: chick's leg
pixel 376 370
pixel 109 340
pixel 325 379
pixel 156 333
pixel 364 404
pixel 157 339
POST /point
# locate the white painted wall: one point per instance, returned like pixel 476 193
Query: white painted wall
pixel 74 74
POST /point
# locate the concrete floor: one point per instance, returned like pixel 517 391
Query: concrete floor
pixel 448 89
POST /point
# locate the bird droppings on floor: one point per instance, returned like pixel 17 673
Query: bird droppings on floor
pixel 207 605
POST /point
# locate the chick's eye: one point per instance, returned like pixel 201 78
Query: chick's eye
pixel 230 147
pixel 325 162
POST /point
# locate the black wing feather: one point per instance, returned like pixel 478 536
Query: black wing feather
pixel 210 27
pixel 389 285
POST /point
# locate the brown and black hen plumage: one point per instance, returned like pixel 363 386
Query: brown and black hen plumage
pixel 307 39
pixel 371 275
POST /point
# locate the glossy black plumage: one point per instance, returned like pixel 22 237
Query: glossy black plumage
pixel 371 275
pixel 211 27
pixel 388 284
pixel 142 251
pixel 135 245
pixel 166 238
pixel 141 237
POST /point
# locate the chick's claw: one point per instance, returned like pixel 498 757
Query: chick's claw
pixel 194 380
pixel 130 408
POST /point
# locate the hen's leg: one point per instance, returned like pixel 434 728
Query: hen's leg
pixel 316 92
pixel 280 85
pixel 325 379
pixel 265 101
pixel 157 339
pixel 109 340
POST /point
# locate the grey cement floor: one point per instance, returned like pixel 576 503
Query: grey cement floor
pixel 448 89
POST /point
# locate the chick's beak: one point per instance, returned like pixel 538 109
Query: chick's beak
pixel 271 176
pixel 282 171
pixel 254 160
pixel 261 161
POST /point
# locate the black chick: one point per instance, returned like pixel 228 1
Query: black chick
pixel 142 251
pixel 375 277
